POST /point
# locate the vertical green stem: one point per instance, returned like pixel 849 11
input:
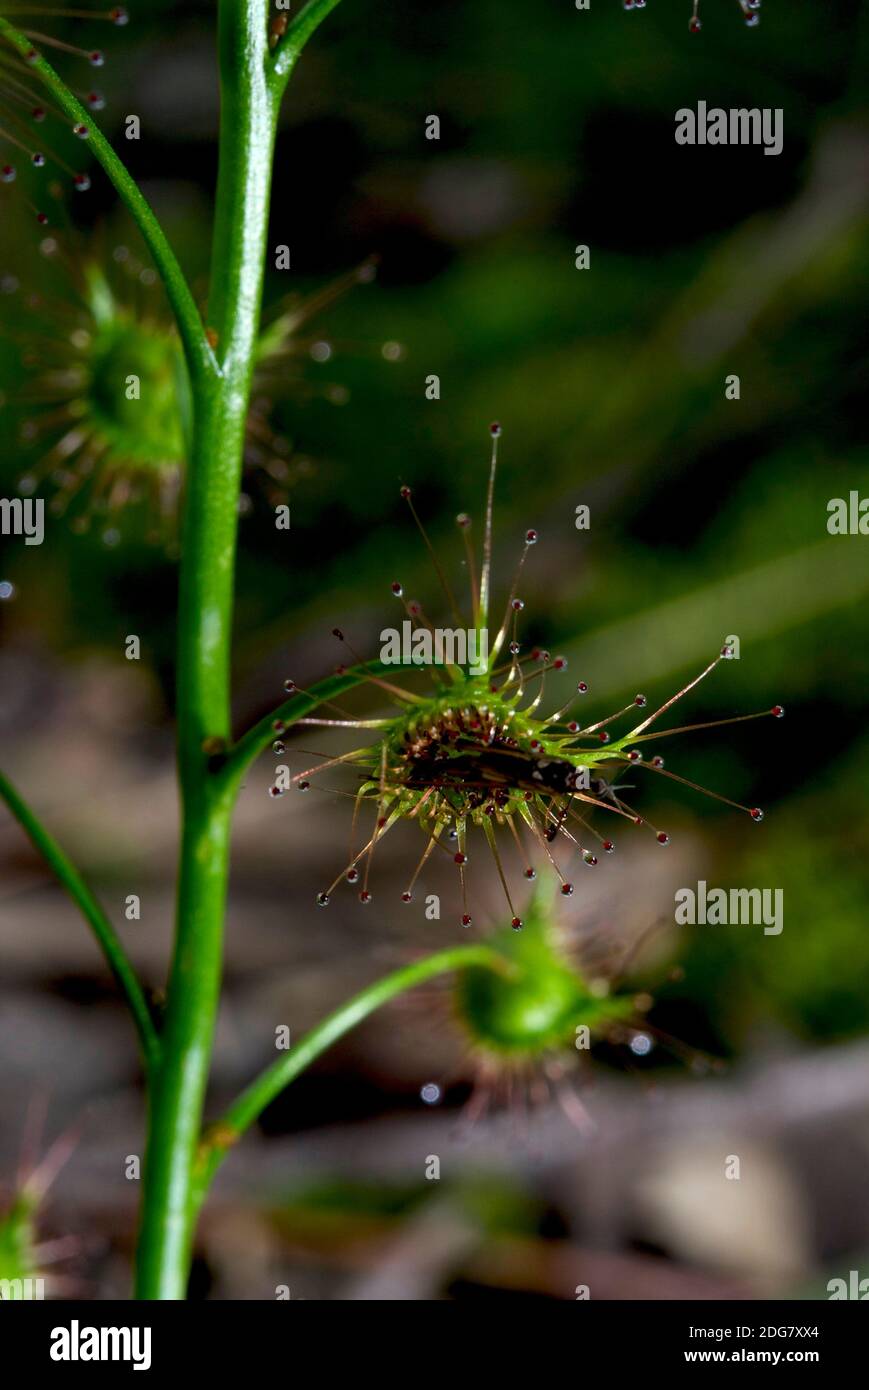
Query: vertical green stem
pixel 247 132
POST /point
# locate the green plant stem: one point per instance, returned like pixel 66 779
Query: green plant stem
pixel 200 358
pixel 221 1136
pixel 247 132
pixel 252 83
pixel 258 737
pixel 297 35
pixel 115 955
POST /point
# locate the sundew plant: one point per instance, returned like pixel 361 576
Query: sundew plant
pixel 489 751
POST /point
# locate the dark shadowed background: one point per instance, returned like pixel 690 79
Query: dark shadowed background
pixel 708 519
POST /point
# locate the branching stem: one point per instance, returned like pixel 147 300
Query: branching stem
pixel 109 942
pixel 220 1137
pixel 201 362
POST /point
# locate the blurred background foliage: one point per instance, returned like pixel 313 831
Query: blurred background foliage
pixel 708 515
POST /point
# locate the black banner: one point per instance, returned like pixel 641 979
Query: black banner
pixel 90 1339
